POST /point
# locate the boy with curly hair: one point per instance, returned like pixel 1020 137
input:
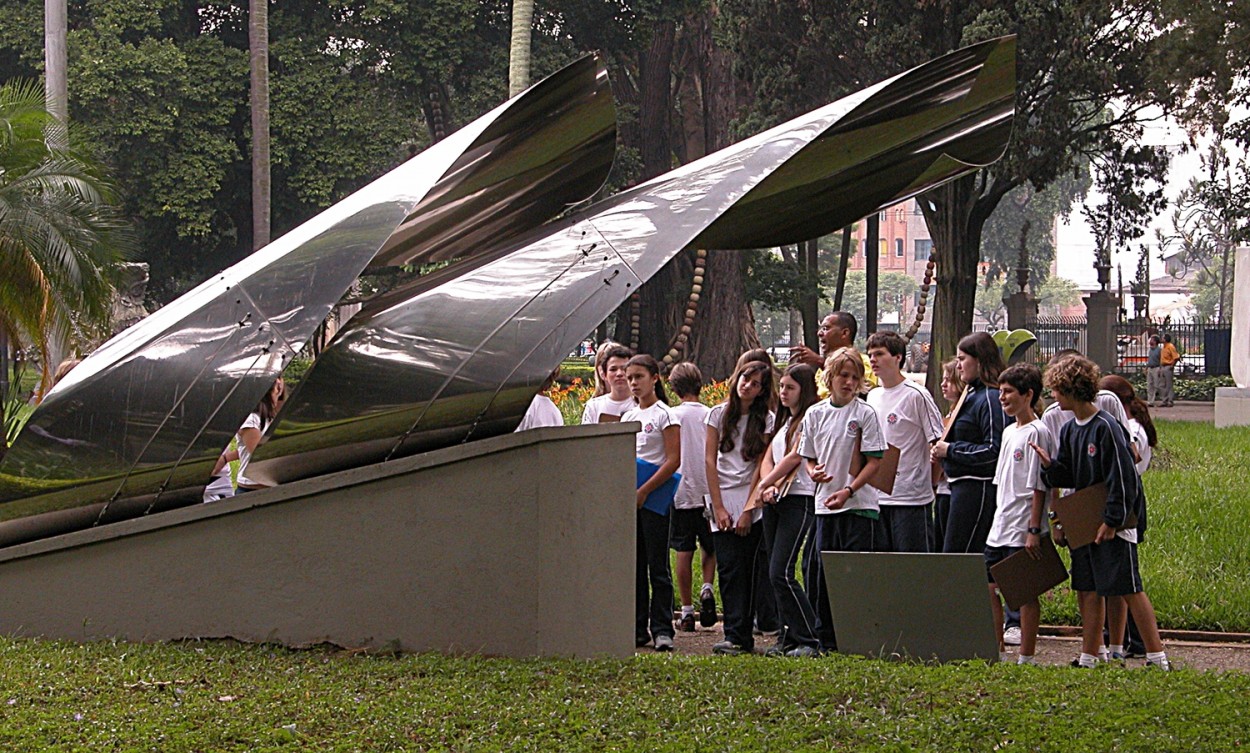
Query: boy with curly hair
pixel 1093 448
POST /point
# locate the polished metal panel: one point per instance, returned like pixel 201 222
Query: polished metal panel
pixel 458 355
pixel 153 407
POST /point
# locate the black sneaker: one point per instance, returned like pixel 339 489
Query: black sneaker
pixel 687 622
pixel 663 643
pixel 707 610
pixel 728 648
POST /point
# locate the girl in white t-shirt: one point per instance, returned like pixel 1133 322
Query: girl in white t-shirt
pixel 658 445
pixel 839 434
pixel 248 439
pixel 737 438
pixel 789 517
pixel 612 396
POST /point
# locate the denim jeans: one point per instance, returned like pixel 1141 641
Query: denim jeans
pixel 842 532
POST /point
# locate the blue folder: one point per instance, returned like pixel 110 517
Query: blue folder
pixel 660 500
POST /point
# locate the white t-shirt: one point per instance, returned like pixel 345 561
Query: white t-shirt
pixel 911 420
pixel 803 483
pixel 542 412
pixel 693 484
pixel 649 441
pixel 252 422
pixel 1055 417
pixel 604 405
pixel 829 434
pixel 734 471
pixel 1019 473
pixel 1137 433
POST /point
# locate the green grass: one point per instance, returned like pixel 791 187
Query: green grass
pixel 1195 561
pixel 220 696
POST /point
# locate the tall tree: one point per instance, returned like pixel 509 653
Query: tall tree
pixel 519 50
pixel 258 47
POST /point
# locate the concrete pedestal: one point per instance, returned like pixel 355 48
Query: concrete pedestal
pixel 1021 310
pixel 1232 406
pixel 1101 310
pixel 519 545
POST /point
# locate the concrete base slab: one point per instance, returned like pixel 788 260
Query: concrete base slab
pixel 520 545
pixel 1232 406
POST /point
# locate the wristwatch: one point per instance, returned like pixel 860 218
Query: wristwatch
pixel 849 489
pixel 1034 530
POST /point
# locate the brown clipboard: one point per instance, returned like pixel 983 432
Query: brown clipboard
pixel 1022 579
pixel 608 418
pixel 954 414
pixel 887 469
pixel 1079 515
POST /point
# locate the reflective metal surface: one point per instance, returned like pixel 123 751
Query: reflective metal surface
pixel 458 355
pixel 153 407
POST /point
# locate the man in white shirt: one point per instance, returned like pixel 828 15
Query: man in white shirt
pixel 911 422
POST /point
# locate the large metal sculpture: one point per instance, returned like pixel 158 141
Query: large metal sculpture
pixel 456 355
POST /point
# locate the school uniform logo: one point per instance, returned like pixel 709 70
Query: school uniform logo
pixel 1018 455
pixel 649 428
pixel 852 426
pixel 1092 450
pixel 892 418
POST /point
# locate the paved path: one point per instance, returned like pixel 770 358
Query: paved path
pixel 1186 410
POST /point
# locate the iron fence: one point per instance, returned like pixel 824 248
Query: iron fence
pixel 1204 348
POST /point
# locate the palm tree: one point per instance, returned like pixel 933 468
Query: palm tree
pixel 60 232
pixel 519 51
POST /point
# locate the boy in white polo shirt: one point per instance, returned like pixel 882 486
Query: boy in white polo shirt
pixel 911 421
pixel 1018 520
pixel 847 516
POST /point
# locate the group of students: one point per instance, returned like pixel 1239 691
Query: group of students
pixel 784 468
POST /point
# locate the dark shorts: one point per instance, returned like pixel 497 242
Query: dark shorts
pixel 1109 568
pixel 996 554
pixel 689 527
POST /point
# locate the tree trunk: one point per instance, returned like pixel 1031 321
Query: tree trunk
pixel 258 45
pixel 843 268
pixel 810 303
pixel 519 52
pixel 956 232
pixel 724 326
pixel 56 86
pixel 872 269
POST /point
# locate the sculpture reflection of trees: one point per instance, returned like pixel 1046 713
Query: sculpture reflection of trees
pixel 59 232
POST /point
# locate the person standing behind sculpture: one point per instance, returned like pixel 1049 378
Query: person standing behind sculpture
pixel 246 441
pixel 837 330
pixel 658 446
pixel 612 396
pixel 969 454
pixel 1154 370
pixel 911 422
pixel 788 493
pixel 689 527
pixel 952 388
pixel 737 437
pixel 542 411
pixel 1167 360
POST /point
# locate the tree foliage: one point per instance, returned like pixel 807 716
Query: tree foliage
pixel 59 231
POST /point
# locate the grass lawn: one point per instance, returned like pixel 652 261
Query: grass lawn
pixel 220 696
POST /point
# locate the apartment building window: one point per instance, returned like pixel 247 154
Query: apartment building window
pixel 924 247
pixel 898 248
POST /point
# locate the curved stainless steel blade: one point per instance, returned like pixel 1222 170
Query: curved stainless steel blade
pixel 459 354
pixel 155 405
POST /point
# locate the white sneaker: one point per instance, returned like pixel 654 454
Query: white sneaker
pixel 1011 636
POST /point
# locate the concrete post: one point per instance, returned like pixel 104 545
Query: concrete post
pixel 1021 311
pixel 1232 404
pixel 1101 309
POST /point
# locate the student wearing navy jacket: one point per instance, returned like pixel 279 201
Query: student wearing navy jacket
pixel 1092 448
pixel 969 454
